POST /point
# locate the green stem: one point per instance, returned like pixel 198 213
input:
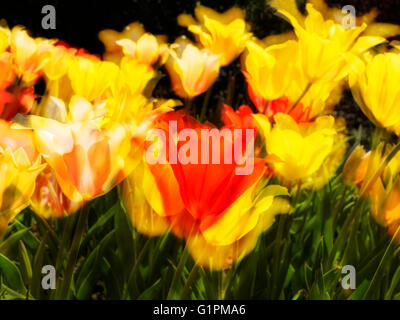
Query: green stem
pixel 131 277
pixel 178 271
pixel 338 208
pixel 188 104
pixel 375 280
pixel 277 254
pixel 189 281
pixel 205 104
pixel 74 250
pixel 61 250
pixel 301 97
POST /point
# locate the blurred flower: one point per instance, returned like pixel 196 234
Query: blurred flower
pixel 276 82
pixel 377 178
pixel 28 54
pixel 48 200
pixel 133 41
pixel 132 76
pixel 224 34
pixel 376 90
pixel 192 71
pixel 4 39
pixel 326 47
pixel 150 194
pixel 335 14
pixel 241 118
pixel 88 159
pixel 385 30
pixel 19 166
pixel 15 100
pixel 307 153
pixel 90 79
pixel 224 214
pixel 147 50
pixel 350 168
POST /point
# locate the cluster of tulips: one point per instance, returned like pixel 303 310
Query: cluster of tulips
pixel 88 132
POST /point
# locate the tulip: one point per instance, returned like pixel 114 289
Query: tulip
pixel 376 177
pixel 192 71
pixel 150 194
pixel 4 39
pixel 307 153
pixel 147 50
pixel 276 82
pixel 223 34
pixel 90 79
pixel 204 203
pixel 7 70
pixel 48 200
pixel 88 159
pixel 133 41
pixel 242 118
pixel 20 164
pixel 375 88
pixel 28 54
pixel 326 47
pixel 336 14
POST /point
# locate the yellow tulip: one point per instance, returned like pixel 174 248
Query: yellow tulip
pixel 192 70
pixel 150 194
pixel 135 42
pixel 90 79
pixel 307 153
pixel 19 166
pixel 336 14
pixel 235 234
pixel 326 47
pixel 375 87
pixel 224 34
pixel 58 60
pixel 28 54
pixel 132 76
pixel 275 72
pixel 147 50
pixel 4 39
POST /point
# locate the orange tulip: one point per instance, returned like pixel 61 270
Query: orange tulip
pixel 48 200
pixel 88 159
pixel 208 204
pixel 377 181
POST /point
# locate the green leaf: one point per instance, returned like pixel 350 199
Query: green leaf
pixel 393 284
pixel 149 293
pixel 11 275
pixel 37 267
pixel 90 270
pixel 359 293
pixel 25 262
pixel 12 240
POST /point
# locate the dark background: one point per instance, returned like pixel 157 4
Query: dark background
pixel 78 23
